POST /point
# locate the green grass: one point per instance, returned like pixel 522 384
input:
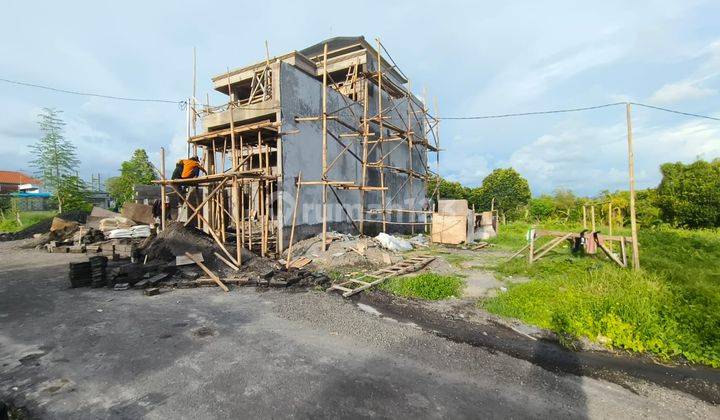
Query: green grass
pixel 671 308
pixel 428 286
pixel 28 218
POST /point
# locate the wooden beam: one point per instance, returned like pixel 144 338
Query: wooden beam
pixel 550 245
pixel 607 252
pixel 228 263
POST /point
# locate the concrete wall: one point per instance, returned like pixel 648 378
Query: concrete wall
pixel 301 96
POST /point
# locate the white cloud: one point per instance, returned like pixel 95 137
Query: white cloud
pixel 591 159
pixel 681 91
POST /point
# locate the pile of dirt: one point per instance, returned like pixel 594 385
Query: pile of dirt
pixel 43 226
pixel 178 239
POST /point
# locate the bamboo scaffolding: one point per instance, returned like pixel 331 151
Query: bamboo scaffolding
pixel 237 202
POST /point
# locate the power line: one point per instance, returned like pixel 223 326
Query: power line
pixel 520 114
pixel 676 112
pixel 588 108
pixel 480 117
pixel 97 95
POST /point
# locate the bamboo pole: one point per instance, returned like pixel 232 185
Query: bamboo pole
pixel 383 204
pixel 592 217
pixel 324 149
pixel 294 216
pixel 261 198
pixel 584 217
pixel 363 176
pixel 162 189
pixel 235 192
pixel 410 153
pixel 631 173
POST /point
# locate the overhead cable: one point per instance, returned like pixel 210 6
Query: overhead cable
pixel 97 95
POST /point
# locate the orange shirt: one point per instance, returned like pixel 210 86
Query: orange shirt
pixel 188 166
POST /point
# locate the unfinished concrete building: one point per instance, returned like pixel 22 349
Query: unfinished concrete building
pixel 336 121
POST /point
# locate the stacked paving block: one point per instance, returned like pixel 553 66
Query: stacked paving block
pixel 98 266
pixel 80 274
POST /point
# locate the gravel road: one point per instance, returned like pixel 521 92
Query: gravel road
pixel 201 353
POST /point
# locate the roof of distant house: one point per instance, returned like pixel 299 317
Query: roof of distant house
pixel 14 177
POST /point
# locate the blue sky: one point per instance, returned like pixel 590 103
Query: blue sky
pixel 476 58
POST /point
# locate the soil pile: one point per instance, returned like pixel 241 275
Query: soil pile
pixel 43 226
pixel 178 239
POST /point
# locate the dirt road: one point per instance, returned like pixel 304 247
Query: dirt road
pixel 201 353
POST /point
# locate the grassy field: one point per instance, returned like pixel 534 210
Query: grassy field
pixel 671 308
pixel 9 224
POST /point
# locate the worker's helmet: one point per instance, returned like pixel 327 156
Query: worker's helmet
pixel 195 158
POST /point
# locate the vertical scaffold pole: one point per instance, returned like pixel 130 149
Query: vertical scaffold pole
pixel 324 150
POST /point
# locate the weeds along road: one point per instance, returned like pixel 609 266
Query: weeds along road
pixel 201 353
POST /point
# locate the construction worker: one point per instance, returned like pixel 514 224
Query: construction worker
pixel 187 169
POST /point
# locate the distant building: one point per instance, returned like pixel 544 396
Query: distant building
pixel 102 199
pixel 13 181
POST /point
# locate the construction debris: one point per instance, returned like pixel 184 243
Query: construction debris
pixel 140 231
pixel 138 213
pixel 112 223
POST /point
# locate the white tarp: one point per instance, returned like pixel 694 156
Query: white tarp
pixel 393 243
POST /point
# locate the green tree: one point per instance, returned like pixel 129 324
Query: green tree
pixel 542 207
pixel 72 194
pixel 509 189
pixel 55 156
pixel 136 171
pixel 447 190
pixel 689 194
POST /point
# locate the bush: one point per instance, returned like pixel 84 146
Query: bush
pixel 428 286
pixel 542 207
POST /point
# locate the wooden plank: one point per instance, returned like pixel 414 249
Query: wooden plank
pixel 299 262
pixel 448 229
pixel 557 241
pixel 608 253
pixel 183 260
pixel 207 271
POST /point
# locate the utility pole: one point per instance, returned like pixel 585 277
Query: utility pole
pixel 631 171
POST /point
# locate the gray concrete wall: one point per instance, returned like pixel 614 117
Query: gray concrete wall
pixel 301 96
